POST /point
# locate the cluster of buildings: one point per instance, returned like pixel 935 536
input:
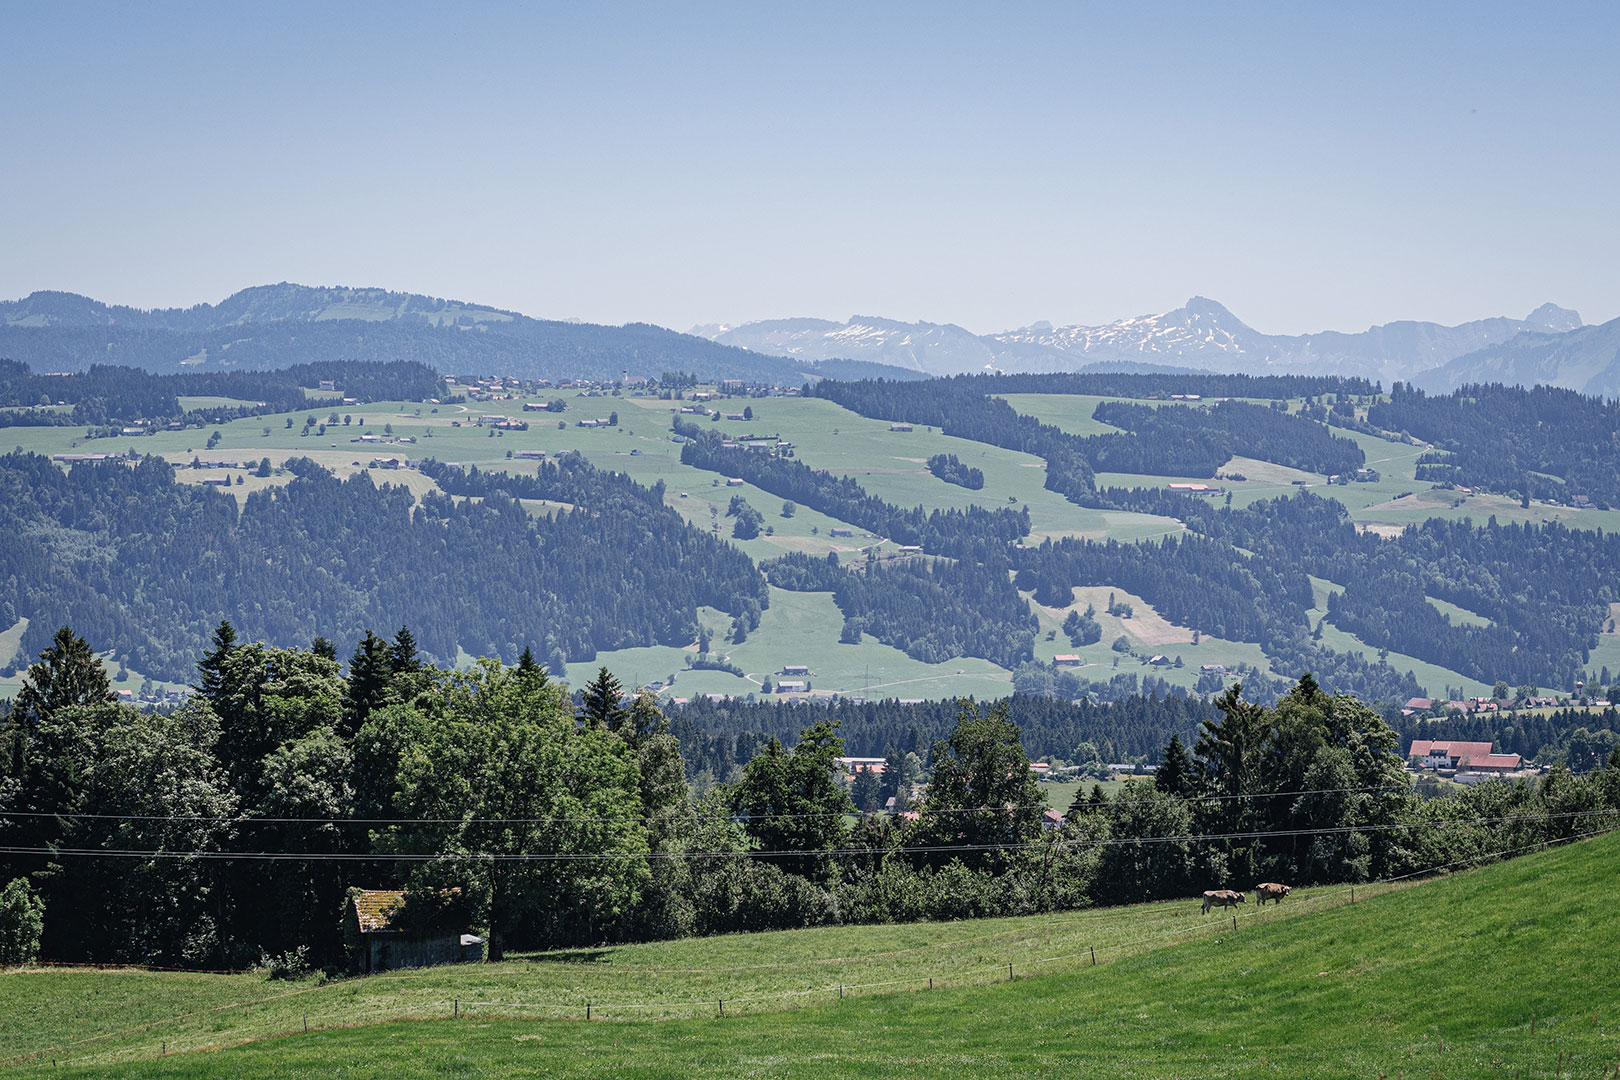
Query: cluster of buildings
pixel 1464 762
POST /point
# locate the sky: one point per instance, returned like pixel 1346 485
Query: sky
pixel 1311 166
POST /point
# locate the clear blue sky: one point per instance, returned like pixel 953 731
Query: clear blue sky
pixel 1310 165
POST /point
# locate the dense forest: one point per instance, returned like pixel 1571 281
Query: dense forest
pixel 146 565
pixel 104 394
pixel 720 736
pixel 230 830
pixel 1542 443
pixel 947 468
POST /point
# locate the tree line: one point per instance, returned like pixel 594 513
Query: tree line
pixel 106 394
pixel 139 836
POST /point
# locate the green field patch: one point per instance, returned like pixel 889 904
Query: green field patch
pixel 11 640
pixel 189 403
pixel 1432 677
pixel 1317 987
pixel 803 628
pixel 890 465
pixel 1460 616
pixel 1070 413
pixel 1100 663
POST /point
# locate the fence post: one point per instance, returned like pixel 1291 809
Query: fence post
pixel 1234 922
pixel 722 1006
pixel 587 1010
pixel 1094 956
pixel 840 992
pixel 306 1023
pixel 1009 973
pixel 456 1003
pixel 930 982
pixel 1352 894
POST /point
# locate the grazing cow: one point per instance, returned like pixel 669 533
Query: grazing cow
pixel 1221 898
pixel 1270 890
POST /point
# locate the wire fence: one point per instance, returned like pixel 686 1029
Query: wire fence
pixel 331 1017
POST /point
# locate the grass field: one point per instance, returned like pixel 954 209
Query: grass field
pixel 1317 987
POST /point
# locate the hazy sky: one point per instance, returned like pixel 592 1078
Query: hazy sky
pixel 1310 165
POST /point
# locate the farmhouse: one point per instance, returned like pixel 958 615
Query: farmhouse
pixel 791 686
pixel 900 427
pixel 1066 660
pixel 1196 489
pixel 385 932
pixel 853 765
pixel 836 531
pixel 795 669
pixel 1453 754
pixel 734 481
pixel 533 455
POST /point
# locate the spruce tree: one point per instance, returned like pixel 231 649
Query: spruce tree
pixel 1175 774
pixel 67 673
pixel 402 657
pixel 600 701
pixel 370 669
pixel 210 667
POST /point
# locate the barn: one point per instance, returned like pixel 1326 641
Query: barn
pixel 387 929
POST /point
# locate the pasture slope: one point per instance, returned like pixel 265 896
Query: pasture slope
pixel 1511 970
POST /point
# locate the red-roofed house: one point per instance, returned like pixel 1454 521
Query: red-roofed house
pixel 1453 754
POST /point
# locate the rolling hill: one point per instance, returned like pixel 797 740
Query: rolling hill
pixel 1498 971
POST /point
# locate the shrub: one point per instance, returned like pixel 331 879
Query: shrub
pixel 22 920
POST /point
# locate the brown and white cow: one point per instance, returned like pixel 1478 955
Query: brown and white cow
pixel 1270 890
pixel 1221 898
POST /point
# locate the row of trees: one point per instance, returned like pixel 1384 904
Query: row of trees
pixel 107 394
pixel 567 821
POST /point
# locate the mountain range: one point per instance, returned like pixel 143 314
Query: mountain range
pixel 1202 335
pixel 273 326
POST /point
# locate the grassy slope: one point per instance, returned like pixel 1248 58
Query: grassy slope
pixel 1440 980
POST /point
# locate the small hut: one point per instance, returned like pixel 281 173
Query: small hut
pixel 388 929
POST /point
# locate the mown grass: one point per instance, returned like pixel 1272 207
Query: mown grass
pixel 1510 969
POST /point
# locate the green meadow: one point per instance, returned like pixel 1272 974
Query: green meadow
pixel 1507 970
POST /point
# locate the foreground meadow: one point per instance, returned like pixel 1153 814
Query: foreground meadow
pixel 1512 967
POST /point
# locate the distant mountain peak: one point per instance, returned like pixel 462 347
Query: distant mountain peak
pixel 1554 319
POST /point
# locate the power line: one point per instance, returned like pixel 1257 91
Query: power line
pixel 234 819
pixel 578 856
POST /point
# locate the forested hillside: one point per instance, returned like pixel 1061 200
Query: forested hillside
pixel 1542 443
pixel 147 565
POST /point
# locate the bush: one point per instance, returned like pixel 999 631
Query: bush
pixel 22 920
pixel 292 964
